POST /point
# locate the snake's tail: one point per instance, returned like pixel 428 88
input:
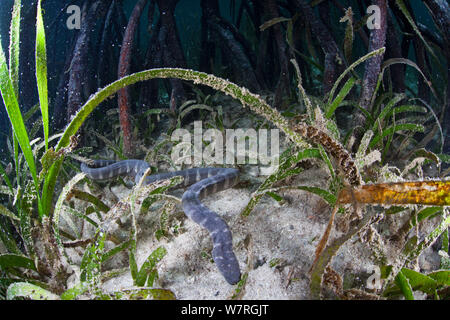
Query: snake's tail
pixel 222 252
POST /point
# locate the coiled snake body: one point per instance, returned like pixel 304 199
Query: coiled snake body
pixel 202 182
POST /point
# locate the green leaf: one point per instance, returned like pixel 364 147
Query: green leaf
pixel 284 170
pixel 59 204
pixel 304 96
pixel 275 196
pixel 5 177
pixel 349 34
pixel 425 213
pixel 29 291
pixel 7 239
pixel 92 259
pixel 324 194
pixel 148 268
pixel 408 280
pixel 72 293
pixel 16 261
pixel 392 61
pixel 80 215
pixel 49 185
pixel 442 277
pixel 31 112
pixel 350 68
pixel 272 22
pixel 47 160
pixel 41 71
pixel 142 294
pixel 419 281
pixel 5 212
pixel 327 160
pixel 15 116
pixel 192 107
pixel 239 291
pixel 406 108
pixel 394 128
pixel 362 149
pixel 412 250
pixel 110 253
pixel 85 196
pixel 340 97
pixel 14 45
pixel 387 110
pixel 410 19
pixel 116 149
pixel 402 282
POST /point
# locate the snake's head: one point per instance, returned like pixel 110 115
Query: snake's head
pixel 141 173
pixel 139 176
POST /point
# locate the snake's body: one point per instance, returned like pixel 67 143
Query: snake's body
pixel 202 182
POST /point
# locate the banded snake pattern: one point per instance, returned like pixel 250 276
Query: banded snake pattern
pixel 202 182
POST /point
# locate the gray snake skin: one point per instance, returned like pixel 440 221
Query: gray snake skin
pixel 202 182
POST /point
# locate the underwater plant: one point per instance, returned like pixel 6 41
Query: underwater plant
pixel 38 202
pixel 34 215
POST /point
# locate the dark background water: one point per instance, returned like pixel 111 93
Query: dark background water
pixel 188 16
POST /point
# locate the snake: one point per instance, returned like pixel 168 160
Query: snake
pixel 201 182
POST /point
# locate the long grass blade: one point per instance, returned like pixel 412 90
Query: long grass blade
pixel 283 171
pixel 148 270
pixel 140 294
pixel 349 34
pixel 394 128
pixel 14 51
pixel 6 237
pixel 403 283
pixel 6 178
pixel 41 71
pixel 14 42
pixel 91 262
pixel 59 204
pixel 15 116
pixel 340 97
pixel 408 62
pixel 16 261
pixel 387 110
pixel 401 5
pixel 5 212
pixel 350 68
pixel 254 102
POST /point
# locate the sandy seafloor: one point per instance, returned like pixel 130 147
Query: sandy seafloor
pixel 275 245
